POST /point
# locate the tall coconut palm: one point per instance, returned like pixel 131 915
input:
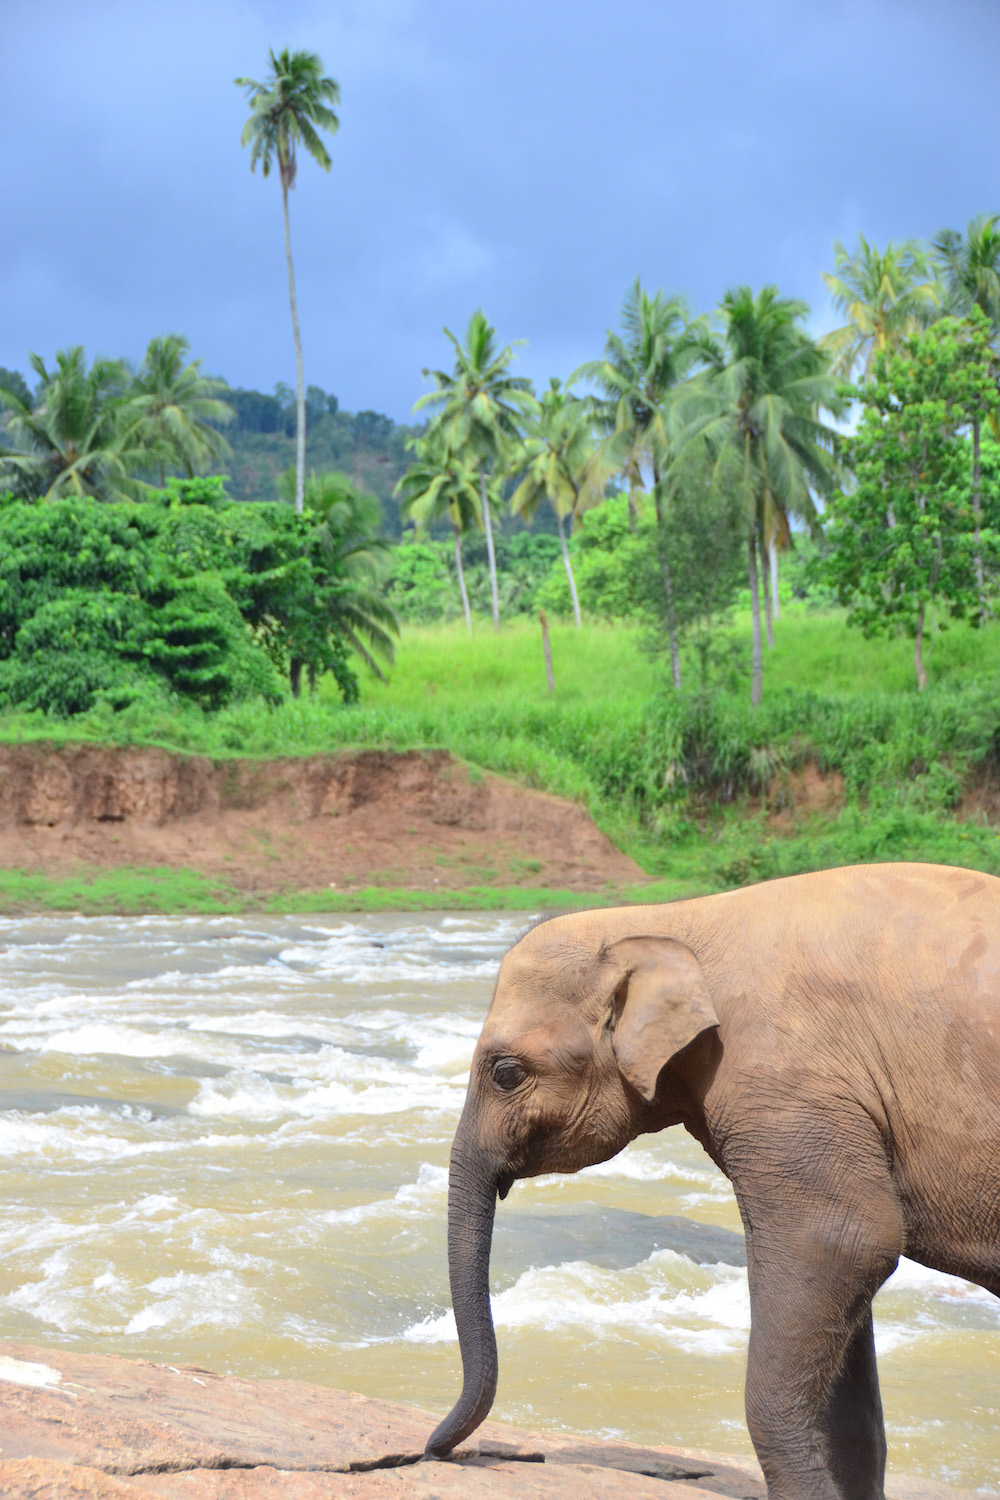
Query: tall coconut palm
pixel 970 269
pixel 481 410
pixel 442 483
pixel 656 351
pixel 886 295
pixel 73 437
pixel 174 408
pixel 561 462
pixel 288 108
pixel 760 403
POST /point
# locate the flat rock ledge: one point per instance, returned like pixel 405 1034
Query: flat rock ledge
pixel 95 1427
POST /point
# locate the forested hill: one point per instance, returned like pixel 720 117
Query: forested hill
pixel 368 446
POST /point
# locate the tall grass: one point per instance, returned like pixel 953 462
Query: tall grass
pixel 679 780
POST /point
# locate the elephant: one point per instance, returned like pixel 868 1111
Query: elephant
pixel 833 1042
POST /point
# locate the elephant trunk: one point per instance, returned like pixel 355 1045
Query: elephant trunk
pixel 472 1195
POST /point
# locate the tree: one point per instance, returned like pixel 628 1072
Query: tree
pixel 286 109
pixel 903 540
pixel 970 269
pixel 480 411
pixel 441 483
pixel 886 295
pixel 173 408
pixel 759 403
pixel 561 464
pixel 348 550
pixel 656 351
pixel 74 437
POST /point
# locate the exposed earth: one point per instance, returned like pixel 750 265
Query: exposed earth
pixel 96 1427
pixel 421 820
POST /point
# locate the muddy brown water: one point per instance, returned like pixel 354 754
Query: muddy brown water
pixel 225 1141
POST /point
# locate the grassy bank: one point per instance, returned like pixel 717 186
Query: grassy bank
pixel 699 789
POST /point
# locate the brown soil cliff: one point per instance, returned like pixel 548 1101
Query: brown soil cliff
pixel 417 820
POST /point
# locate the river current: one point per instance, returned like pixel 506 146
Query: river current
pixel 225 1141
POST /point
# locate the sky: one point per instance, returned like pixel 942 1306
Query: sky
pixel 531 158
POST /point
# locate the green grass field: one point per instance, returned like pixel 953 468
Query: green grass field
pixel 685 783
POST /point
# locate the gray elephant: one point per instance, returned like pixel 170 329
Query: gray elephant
pixel 833 1041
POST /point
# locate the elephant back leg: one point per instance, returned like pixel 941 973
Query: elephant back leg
pixel 823 1234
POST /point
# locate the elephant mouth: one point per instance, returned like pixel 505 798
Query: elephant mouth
pixel 505 1181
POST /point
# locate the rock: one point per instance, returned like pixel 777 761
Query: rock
pixel 95 1427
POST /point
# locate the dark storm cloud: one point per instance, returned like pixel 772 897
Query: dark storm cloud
pixel 528 157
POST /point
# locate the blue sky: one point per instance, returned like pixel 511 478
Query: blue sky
pixel 529 158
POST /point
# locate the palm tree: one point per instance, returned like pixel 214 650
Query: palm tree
pixel 347 521
pixel 657 350
pixel 759 403
pixel 73 438
pixel 886 295
pixel 970 269
pixel 174 408
pixel 441 483
pixel 561 463
pixel 286 109
pixel 481 409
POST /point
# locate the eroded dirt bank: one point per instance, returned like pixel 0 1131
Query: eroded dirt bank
pixel 96 1427
pixel 416 820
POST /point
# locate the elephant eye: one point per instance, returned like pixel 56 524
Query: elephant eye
pixel 508 1073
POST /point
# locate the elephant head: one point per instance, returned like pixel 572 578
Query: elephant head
pixel 566 1072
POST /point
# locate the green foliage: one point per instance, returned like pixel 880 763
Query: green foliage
pixel 904 538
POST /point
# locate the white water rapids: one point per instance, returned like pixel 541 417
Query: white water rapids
pixel 225 1141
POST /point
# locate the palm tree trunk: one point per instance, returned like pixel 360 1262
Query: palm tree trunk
pixel 668 586
pixel 918 650
pixel 756 685
pixel 461 578
pixel 491 555
pixel 977 554
pixel 567 564
pixel 768 622
pixel 300 390
pixel 774 582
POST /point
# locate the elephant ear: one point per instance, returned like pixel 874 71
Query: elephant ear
pixel 661 1004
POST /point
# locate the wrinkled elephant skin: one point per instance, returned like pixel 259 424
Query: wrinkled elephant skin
pixel 833 1041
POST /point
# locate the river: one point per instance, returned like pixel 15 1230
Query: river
pixel 225 1141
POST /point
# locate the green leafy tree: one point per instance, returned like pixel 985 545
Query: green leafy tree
pixel 73 437
pixel 441 482
pixel 561 463
pixel 642 366
pixel 175 409
pixel 970 268
pixel 352 561
pixel 480 411
pixel 902 541
pixel 886 295
pixel 758 408
pixel 288 108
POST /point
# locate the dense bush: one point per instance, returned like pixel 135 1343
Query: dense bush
pixel 185 594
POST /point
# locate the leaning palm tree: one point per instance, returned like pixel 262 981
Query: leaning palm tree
pixel 969 265
pixel 175 408
pixel 657 350
pixel 441 483
pixel 286 109
pixel 561 462
pixel 760 404
pixel 886 295
pixel 480 412
pixel 74 436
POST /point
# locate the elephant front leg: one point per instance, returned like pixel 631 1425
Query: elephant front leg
pixel 812 1396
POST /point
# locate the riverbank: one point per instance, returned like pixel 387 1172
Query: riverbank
pixel 96 1427
pixel 101 830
